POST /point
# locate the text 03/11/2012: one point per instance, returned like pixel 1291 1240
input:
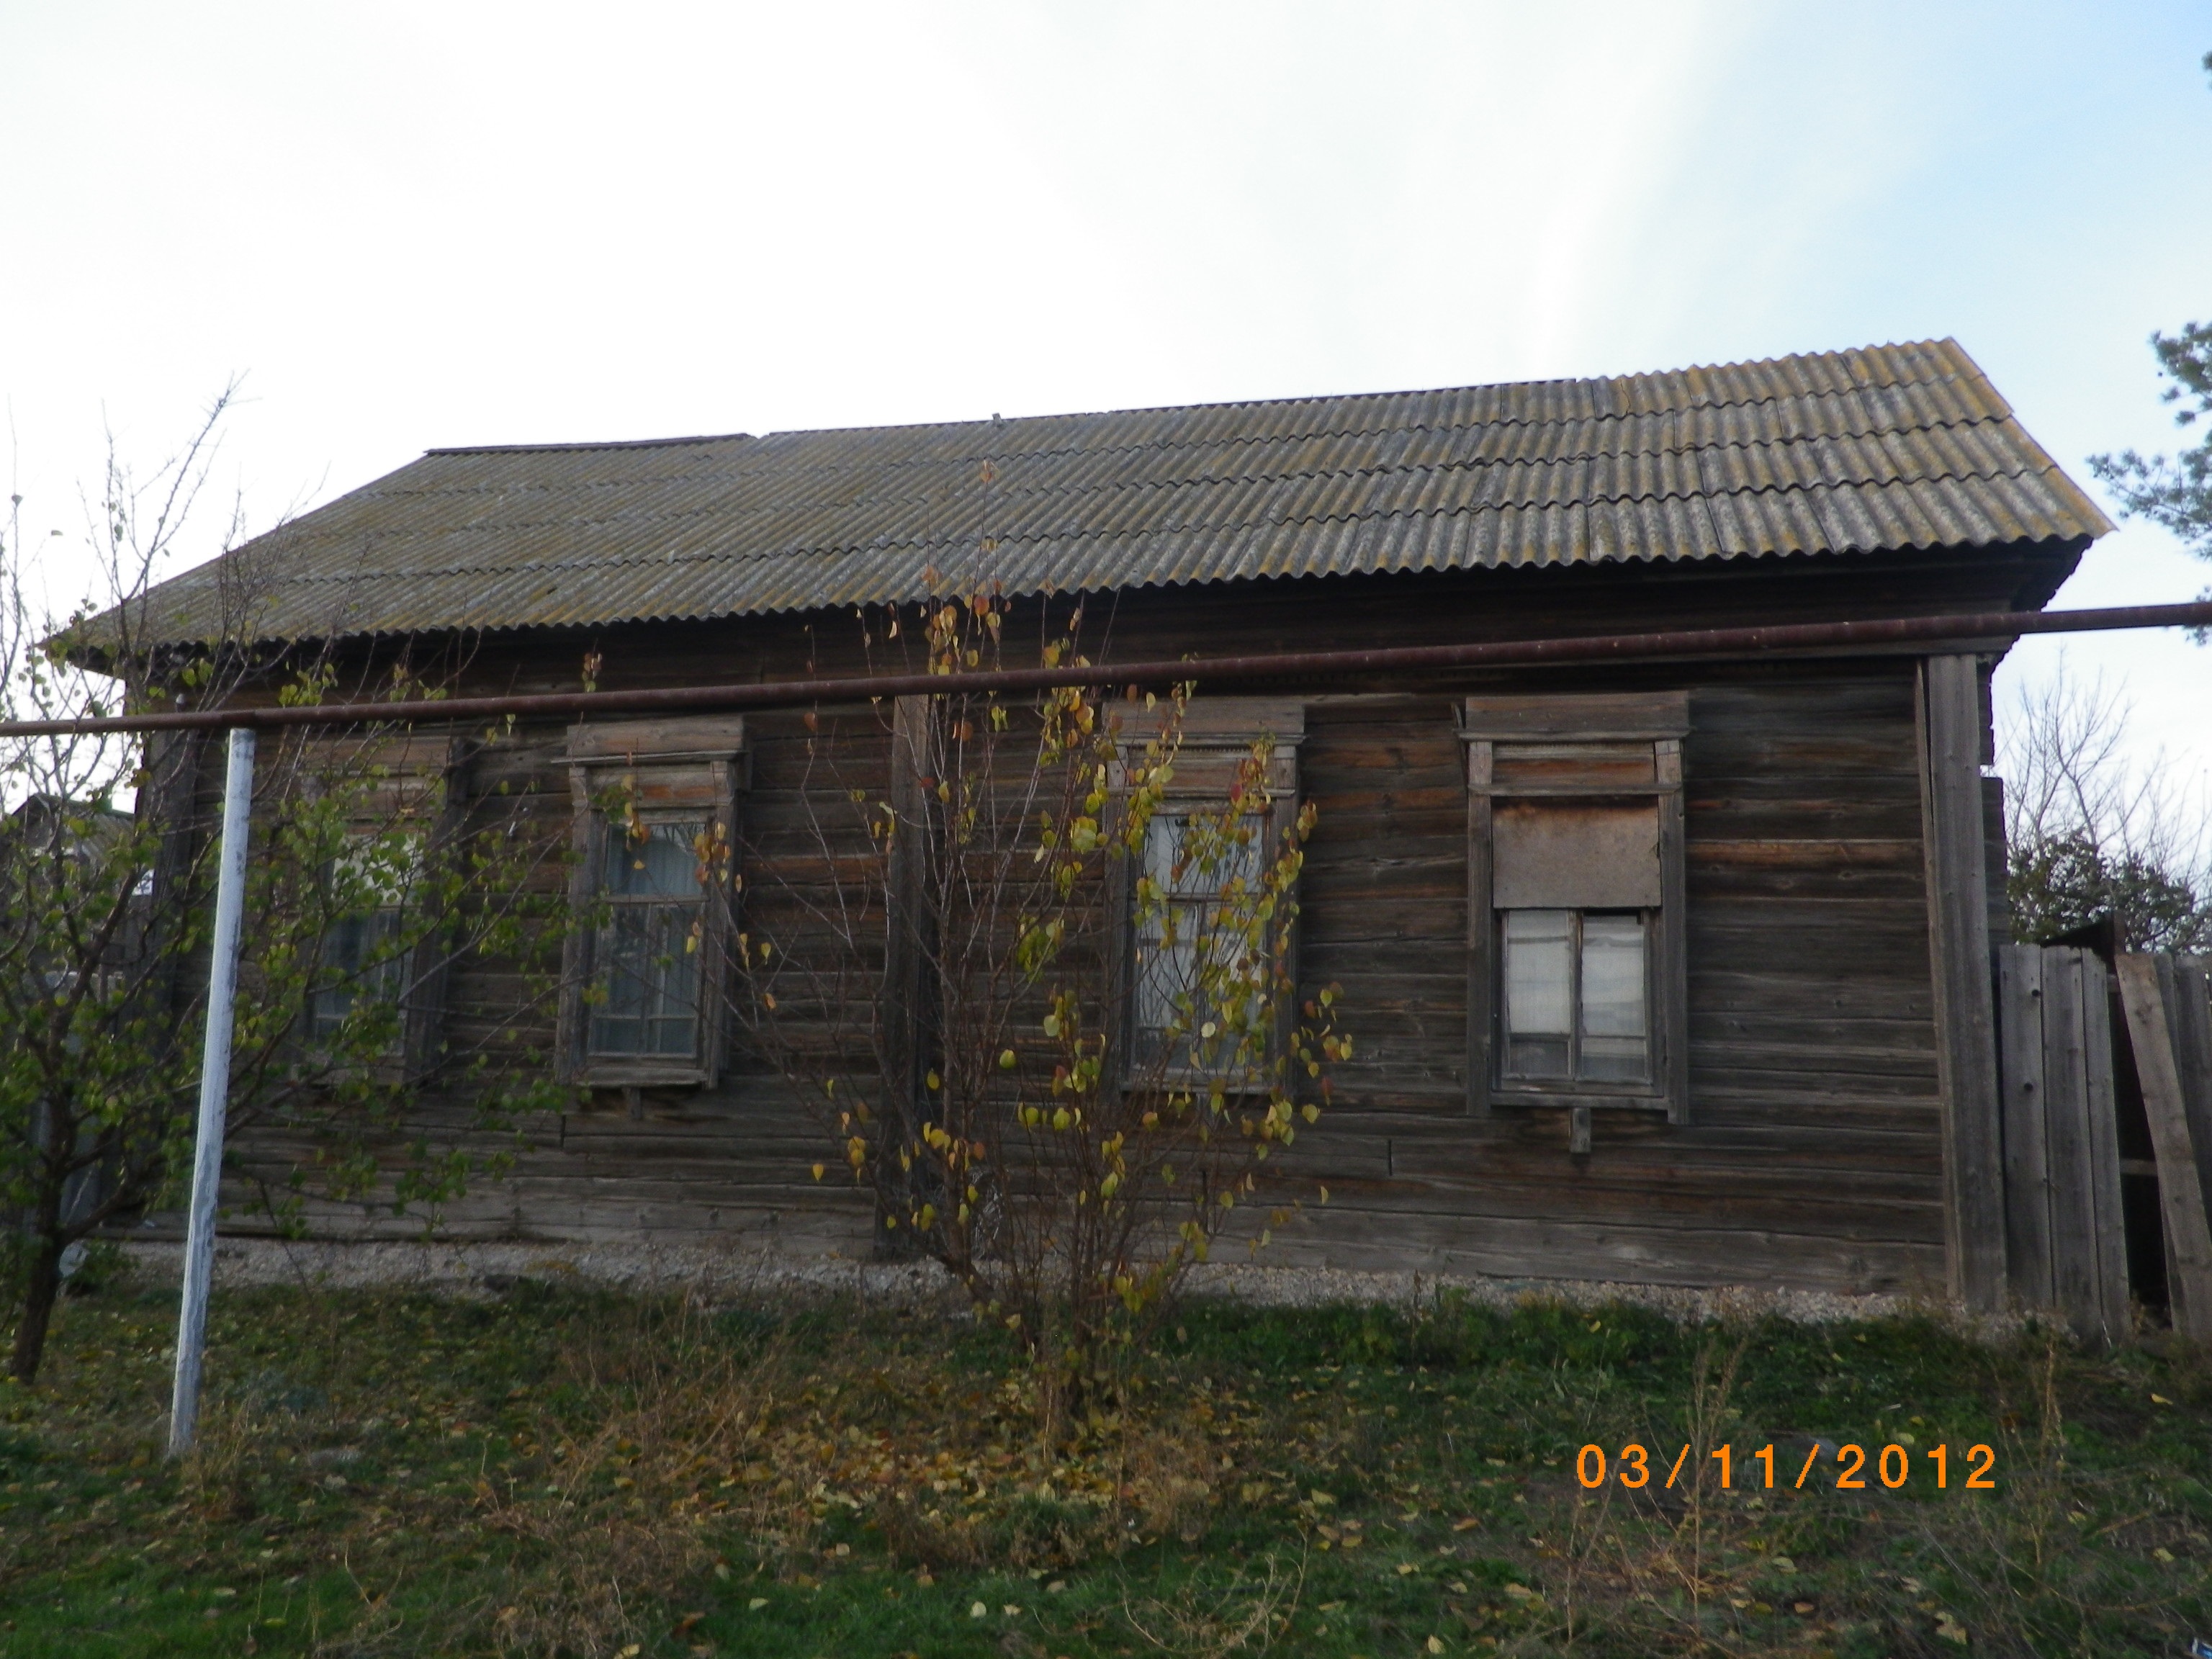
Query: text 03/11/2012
pixel 1893 1466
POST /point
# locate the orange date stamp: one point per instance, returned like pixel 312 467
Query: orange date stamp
pixel 1892 1465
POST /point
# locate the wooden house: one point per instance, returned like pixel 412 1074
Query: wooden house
pixel 1768 883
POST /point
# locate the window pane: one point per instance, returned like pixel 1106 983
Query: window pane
pixel 1615 1047
pixel 1198 976
pixel 1231 856
pixel 663 864
pixel 353 973
pixel 1162 969
pixel 650 974
pixel 359 963
pixel 1163 844
pixel 1165 975
pixel 380 869
pixel 1238 854
pixel 1539 992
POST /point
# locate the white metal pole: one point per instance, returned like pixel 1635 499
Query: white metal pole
pixel 215 1091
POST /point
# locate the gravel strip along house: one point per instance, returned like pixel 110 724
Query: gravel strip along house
pixel 1665 971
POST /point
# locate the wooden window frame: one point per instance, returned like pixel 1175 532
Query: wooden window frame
pixel 1218 735
pixel 418 763
pixel 687 769
pixel 1561 748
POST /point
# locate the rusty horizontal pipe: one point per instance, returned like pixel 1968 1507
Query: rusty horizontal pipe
pixel 1967 629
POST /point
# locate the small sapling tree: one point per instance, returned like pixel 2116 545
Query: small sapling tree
pixel 362 891
pixel 1043 986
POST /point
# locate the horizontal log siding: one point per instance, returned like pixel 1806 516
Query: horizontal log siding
pixel 731 1163
pixel 1811 1157
pixel 1813 1041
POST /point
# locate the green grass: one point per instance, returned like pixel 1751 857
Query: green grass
pixel 560 1470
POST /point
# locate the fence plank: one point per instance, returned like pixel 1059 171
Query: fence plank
pixel 2180 1192
pixel 2027 1172
pixel 2108 1218
pixel 2073 1253
pixel 2182 983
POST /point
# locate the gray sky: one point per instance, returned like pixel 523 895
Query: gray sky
pixel 409 225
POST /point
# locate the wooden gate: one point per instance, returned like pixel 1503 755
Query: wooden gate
pixel 2077 1082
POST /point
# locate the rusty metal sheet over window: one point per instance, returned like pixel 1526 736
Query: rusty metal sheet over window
pixel 1585 856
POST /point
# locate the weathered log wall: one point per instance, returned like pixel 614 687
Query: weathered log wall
pixel 1813 1154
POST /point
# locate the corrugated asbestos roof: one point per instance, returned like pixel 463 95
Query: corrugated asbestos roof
pixel 1887 447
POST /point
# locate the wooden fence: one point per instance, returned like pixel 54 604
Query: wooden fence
pixel 2097 1063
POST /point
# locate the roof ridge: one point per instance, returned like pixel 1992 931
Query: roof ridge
pixel 1842 358
pixel 609 443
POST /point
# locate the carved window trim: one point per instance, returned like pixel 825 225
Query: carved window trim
pixel 688 770
pixel 1614 747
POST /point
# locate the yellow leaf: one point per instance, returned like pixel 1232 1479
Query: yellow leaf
pixel 818 1172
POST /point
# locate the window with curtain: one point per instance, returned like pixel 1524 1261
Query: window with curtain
pixel 1575 885
pixel 643 984
pixel 1575 992
pixel 1178 1027
pixel 378 962
pixel 364 961
pixel 1184 962
pixel 646 953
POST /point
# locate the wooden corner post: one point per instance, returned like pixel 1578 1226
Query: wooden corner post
pixel 905 1006
pixel 1951 733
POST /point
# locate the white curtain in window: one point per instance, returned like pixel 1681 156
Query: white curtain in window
pixel 647 948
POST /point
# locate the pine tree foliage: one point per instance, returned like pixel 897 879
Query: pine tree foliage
pixel 2173 491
